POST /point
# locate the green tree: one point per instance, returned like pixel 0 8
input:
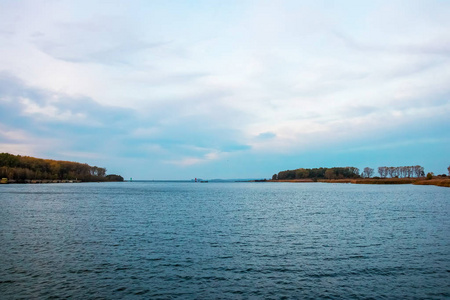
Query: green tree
pixel 301 173
pixel 330 174
pixel 113 177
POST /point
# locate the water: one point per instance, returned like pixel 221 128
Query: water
pixel 224 241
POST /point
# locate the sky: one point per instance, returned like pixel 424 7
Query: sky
pixel 226 89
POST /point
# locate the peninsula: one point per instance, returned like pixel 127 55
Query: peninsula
pixel 388 175
pixel 27 169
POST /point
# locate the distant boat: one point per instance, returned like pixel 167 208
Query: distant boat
pixel 204 181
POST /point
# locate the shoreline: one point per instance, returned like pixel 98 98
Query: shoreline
pixel 45 181
pixel 437 181
pixel 38 181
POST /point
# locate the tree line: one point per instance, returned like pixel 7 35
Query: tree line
pixel 395 172
pixel 351 172
pixel 22 168
pixel 316 173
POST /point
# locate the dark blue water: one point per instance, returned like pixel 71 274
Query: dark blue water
pixel 224 241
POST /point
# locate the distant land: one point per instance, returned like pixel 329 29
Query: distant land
pixel 27 169
pixel 388 175
pixel 199 180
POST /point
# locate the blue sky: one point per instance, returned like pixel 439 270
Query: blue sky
pixel 226 89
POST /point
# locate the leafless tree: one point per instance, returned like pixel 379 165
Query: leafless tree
pixel 368 172
pixel 396 172
pixel 418 171
pixel 401 171
pixel 405 171
pixel 390 171
pixel 382 171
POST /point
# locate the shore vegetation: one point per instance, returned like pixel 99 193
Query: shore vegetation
pixel 23 169
pixel 387 175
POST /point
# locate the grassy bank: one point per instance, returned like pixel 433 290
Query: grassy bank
pixel 292 180
pixel 385 181
pixel 438 181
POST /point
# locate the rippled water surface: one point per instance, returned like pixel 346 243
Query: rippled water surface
pixel 224 241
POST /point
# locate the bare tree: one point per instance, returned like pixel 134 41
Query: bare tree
pixel 418 171
pixel 422 172
pixel 368 172
pixel 405 171
pixel 397 172
pixel 390 171
pixel 410 171
pixel 382 171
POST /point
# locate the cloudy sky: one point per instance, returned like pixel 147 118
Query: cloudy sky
pixel 226 89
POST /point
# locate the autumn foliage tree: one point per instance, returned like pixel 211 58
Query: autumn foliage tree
pixel 21 168
pixel 325 173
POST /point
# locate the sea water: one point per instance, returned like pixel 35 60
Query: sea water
pixel 188 240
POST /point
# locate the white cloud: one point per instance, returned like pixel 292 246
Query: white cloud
pixel 17 135
pixel 50 112
pixel 80 155
pixel 214 76
pixel 190 161
pixel 18 149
